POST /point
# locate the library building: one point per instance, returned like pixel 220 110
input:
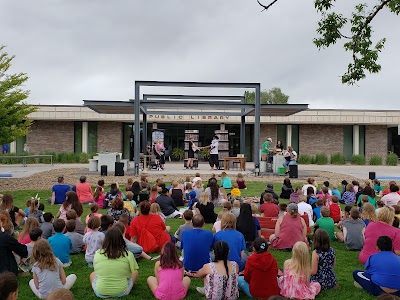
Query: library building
pixel 63 128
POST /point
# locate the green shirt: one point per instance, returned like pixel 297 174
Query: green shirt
pixel 112 274
pixel 265 147
pixel 327 224
pixel 370 200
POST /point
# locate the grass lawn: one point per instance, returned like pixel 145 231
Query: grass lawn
pixel 347 261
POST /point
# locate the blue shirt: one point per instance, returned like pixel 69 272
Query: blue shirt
pixel 384 268
pixel 196 245
pixel 60 190
pixel 236 243
pixel 317 212
pixel 336 192
pixel 226 183
pixel 61 246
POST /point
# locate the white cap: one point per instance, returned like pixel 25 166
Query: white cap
pixel 269 139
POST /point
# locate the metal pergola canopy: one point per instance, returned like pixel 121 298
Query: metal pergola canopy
pixel 178 104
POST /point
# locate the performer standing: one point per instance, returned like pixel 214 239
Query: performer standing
pixel 192 149
pixel 214 162
pixel 159 150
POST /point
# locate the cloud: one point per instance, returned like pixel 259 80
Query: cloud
pixel 74 50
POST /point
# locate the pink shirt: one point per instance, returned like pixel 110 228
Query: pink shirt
pixel 25 240
pixel 290 233
pixel 372 233
pixel 391 199
pixel 84 192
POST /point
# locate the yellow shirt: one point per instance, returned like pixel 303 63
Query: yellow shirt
pixel 235 192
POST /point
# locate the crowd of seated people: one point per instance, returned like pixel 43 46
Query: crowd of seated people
pixel 125 226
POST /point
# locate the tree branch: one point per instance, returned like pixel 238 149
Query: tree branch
pixel 266 7
pixel 377 9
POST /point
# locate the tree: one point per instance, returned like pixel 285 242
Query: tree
pixel 272 96
pixel 13 110
pixel 331 27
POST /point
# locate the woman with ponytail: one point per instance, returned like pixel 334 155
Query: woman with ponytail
pixel 220 276
pixel 261 267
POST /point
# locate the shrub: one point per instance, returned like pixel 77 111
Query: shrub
pixel 178 153
pixel 358 159
pixel 304 159
pixel 375 160
pixel 205 153
pixel 392 159
pixel 321 159
pixel 338 159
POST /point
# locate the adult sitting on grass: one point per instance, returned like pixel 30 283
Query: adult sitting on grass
pixel 382 271
pixel 167 205
pixel 84 191
pixel 115 268
pixel 59 191
pixel 146 225
pixel 196 244
pixel 375 229
pixel 289 229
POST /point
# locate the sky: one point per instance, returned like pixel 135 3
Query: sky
pixel 96 49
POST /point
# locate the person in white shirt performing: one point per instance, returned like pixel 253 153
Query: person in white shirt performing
pixel 214 162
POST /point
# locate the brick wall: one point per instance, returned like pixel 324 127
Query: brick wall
pixel 109 136
pixel 266 131
pixel 57 136
pixel 376 139
pixel 315 139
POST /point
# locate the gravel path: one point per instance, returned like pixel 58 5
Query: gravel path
pixel 45 180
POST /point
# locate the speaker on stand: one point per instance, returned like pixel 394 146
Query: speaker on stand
pixel 372 175
pixel 103 170
pixel 119 169
pixel 293 171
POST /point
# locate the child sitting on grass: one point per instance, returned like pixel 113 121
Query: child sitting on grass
pixel 33 210
pixel 379 205
pixel 30 224
pixel 8 286
pixel 323 261
pixel 225 181
pixel 261 267
pixel 130 204
pixel 295 282
pixel 76 238
pixel 106 222
pixel 317 210
pixel 254 210
pixel 48 272
pixel 241 182
pixel 368 213
pixel 94 208
pixel 79 226
pixel 235 192
pixel 353 230
pixel 60 243
pixel 295 196
pixel 187 216
pixel 124 219
pixel 60 294
pixel 326 223
pixel 335 209
pixel 99 196
pixel 335 192
pixel 236 208
pixel 47 225
pixel 325 196
pixel 28 205
pixel 93 239
pixel 169 282
pixel 282 209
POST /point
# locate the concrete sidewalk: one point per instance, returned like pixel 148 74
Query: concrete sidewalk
pixel 171 168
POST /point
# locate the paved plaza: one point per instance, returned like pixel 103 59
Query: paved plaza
pixel 171 168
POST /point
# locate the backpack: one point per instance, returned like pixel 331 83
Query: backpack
pixel 146 239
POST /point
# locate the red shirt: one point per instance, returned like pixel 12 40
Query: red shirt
pixel 154 224
pixel 128 233
pixel 335 212
pixel 387 191
pixel 260 272
pixel 269 209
